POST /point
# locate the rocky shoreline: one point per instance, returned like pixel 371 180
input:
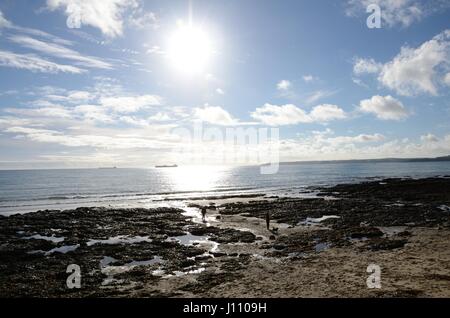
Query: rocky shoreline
pixel 318 247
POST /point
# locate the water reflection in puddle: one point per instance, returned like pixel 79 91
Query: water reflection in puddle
pixel 111 270
pixel 62 249
pixel 200 241
pixel 320 247
pixel 190 270
pixel 391 230
pixel 315 221
pixel 120 239
pixel 52 238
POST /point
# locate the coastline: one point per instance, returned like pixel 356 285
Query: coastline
pixel 321 248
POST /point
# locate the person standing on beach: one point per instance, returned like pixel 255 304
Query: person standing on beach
pixel 204 214
pixel 268 220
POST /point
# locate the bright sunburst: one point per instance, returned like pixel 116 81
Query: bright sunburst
pixel 190 49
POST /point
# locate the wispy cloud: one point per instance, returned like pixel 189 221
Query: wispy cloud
pixel 95 141
pixel 36 64
pixel 274 115
pixel 318 95
pixel 59 51
pixel 4 23
pixel 130 104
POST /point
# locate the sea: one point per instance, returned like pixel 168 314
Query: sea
pixel 23 191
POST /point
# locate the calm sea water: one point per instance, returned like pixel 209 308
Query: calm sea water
pixel 31 190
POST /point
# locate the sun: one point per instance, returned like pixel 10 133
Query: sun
pixel 190 49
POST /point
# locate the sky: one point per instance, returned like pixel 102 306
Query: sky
pixel 127 82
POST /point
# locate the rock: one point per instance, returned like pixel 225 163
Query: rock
pixel 203 257
pixel 218 254
pixel 386 244
pixel 368 232
pixel 187 263
pixel 272 237
pixel 279 246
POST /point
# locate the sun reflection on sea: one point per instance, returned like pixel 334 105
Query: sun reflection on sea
pixel 195 178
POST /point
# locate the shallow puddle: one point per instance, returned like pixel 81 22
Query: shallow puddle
pixel 62 249
pixel 315 221
pixel 199 241
pixel 111 270
pixel 392 230
pixel 320 247
pixel 121 239
pixel 52 238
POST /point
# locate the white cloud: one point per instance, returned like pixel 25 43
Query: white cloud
pixel 318 95
pixel 284 85
pixel 49 95
pixel 413 70
pixel 134 121
pixel 447 79
pixel 36 64
pixel 309 78
pixel 130 104
pixel 103 103
pixel 362 138
pixel 142 20
pixel 326 112
pixel 220 91
pixel 323 145
pixel 81 140
pixel 56 111
pixel 290 114
pixel 3 22
pixel 384 107
pixel 215 115
pixel 77 96
pixel 429 138
pixel 155 49
pixel 93 113
pixel 274 115
pixel 60 52
pixel 363 66
pixel 398 12
pixel 359 82
pixel 160 117
pixel 106 15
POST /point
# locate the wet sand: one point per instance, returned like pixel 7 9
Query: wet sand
pixel 317 247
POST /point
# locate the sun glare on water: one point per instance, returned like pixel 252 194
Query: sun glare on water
pixel 190 49
pixel 196 178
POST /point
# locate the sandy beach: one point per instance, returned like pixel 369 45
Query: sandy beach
pixel 316 247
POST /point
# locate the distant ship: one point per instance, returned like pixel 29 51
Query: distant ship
pixel 107 167
pixel 166 166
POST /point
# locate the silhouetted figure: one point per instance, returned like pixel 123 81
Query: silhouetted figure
pixel 204 214
pixel 268 220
